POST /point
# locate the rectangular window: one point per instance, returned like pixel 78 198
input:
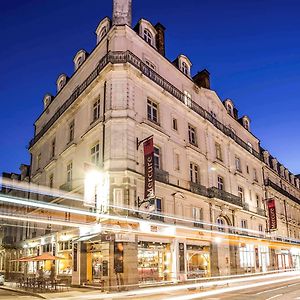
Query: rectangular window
pixel 192 135
pixel 257 201
pixel 176 162
pixel 174 124
pixel 95 155
pixel 187 98
pixel 218 151
pixel 71 131
pixel 38 160
pixel 157 158
pixel 96 110
pixel 238 164
pixel 247 256
pixel 69 172
pixel 194 173
pixel 53 148
pixel 241 192
pixel 220 183
pixel 197 216
pixel 255 175
pixel 260 228
pixel 244 224
pixel 152 111
pixel 158 209
pixel 118 198
pixel 51 181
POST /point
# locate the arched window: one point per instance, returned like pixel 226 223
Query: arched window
pixel 246 124
pixel 79 61
pixel 230 109
pixel 185 68
pixel 148 37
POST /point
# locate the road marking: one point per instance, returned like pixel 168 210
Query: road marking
pixel 274 296
pixel 282 287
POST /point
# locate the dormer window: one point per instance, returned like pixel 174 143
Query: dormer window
pixel 184 64
pixel 47 100
pixel 230 109
pixel 79 58
pixel 246 124
pixel 148 37
pixel 61 82
pixel 102 29
pixel 184 68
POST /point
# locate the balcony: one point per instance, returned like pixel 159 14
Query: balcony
pixel 199 189
pixel 161 175
pixel 261 211
pixel 279 189
pixel 245 206
pixel 214 192
pixel 67 187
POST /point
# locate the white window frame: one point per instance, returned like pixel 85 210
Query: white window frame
pixel 194 173
pixel 152 111
pixel 218 148
pixel 192 132
pixel 238 165
pixel 96 110
pixel 95 154
pixel 69 172
pixel 157 158
pixel 148 36
pixel 220 183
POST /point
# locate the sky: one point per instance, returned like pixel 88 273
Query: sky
pixel 251 48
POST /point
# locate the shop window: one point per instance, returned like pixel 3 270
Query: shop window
pixel 247 256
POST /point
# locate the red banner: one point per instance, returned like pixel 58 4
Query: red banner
pixel 272 214
pixel 149 169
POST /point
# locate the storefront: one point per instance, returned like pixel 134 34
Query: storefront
pixel 263 258
pixel 295 252
pixel 282 258
pixel 154 261
pixel 64 265
pixel 198 261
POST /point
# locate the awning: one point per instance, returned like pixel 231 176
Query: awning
pixel 90 237
pixel 47 256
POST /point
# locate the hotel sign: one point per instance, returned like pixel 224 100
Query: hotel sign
pixel 149 169
pixel 272 214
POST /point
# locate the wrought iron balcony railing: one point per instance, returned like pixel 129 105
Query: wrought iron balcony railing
pixel 225 196
pixel 199 189
pixel 161 175
pixel 261 211
pixel 279 189
pixel 118 57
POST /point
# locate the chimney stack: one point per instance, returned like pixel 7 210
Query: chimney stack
pixel 122 12
pixel 160 39
pixel 202 79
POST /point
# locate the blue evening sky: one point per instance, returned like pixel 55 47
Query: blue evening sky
pixel 251 48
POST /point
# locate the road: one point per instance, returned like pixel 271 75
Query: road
pixel 9 295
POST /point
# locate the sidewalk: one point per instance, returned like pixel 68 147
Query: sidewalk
pixel 71 292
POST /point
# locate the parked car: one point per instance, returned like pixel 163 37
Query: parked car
pixel 1 279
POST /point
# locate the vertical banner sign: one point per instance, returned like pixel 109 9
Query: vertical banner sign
pixel 149 169
pixel 272 214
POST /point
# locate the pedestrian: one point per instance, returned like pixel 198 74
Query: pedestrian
pixel 52 274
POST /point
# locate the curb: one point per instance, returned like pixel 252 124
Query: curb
pixel 22 292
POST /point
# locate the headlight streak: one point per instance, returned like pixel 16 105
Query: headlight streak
pixel 61 208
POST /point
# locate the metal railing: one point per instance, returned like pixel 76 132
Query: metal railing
pixel 225 196
pixel 161 175
pixel 199 189
pixel 117 57
pixel 279 189
pixel 260 211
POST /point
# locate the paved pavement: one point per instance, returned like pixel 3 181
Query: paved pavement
pixel 10 295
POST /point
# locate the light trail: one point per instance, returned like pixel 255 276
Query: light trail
pixel 266 280
pixel 126 219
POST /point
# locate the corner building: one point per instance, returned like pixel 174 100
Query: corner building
pixel 208 164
